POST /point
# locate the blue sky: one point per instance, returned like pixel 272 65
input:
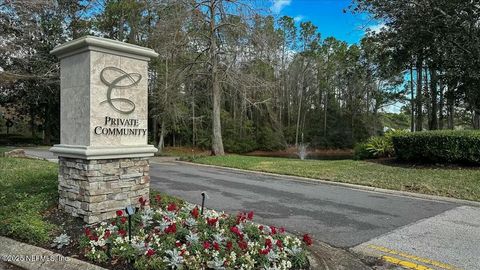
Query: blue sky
pixel 328 16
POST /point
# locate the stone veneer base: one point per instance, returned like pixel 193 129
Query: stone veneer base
pixel 96 189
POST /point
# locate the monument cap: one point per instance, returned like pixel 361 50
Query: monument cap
pixel 103 45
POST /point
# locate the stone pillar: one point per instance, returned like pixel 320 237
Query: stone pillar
pixel 103 151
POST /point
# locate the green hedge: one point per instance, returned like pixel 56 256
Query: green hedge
pixel 438 146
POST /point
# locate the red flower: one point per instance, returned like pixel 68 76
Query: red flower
pixel 264 251
pixel 307 239
pixel 273 229
pixel 183 252
pixel 236 231
pixel 107 234
pixel 172 207
pixel 150 252
pixel 195 213
pixel 87 231
pixel 178 244
pixel 113 223
pixel 93 238
pixel 123 220
pixel 206 245
pixel 229 245
pixel 216 246
pixel 171 228
pixel 158 198
pixel 281 230
pixel 250 215
pixel 122 232
pixel 212 221
pixel 279 243
pixel 119 213
pixel 142 201
pixel 260 227
pixel 268 243
pixel 242 245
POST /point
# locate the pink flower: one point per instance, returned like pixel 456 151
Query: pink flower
pixel 307 239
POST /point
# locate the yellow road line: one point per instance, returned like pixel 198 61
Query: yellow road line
pixel 407 264
pixel 413 257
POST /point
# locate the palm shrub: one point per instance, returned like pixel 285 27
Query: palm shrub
pixel 377 146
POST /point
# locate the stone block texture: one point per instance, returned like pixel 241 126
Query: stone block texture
pixel 96 189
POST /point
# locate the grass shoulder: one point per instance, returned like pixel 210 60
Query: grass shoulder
pixel 456 182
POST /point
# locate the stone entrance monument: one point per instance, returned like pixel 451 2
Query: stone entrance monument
pixel 103 151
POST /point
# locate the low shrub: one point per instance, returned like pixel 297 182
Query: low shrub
pixel 438 146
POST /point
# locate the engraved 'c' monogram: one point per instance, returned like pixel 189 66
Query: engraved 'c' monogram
pixel 132 78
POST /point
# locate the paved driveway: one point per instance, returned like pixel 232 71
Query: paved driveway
pixel 340 216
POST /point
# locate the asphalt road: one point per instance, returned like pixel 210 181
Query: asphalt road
pixel 339 216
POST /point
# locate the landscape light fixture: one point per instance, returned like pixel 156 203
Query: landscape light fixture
pixel 204 194
pixel 130 211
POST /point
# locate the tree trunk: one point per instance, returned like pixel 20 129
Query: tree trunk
pixel 217 143
pixel 298 115
pixel 161 140
pixel 433 124
pixel 47 127
pixel 441 105
pixel 32 124
pixel 476 119
pixel 419 99
pixel 412 102
pixel 450 107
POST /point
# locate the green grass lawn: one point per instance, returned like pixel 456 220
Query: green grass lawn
pixel 28 189
pixel 462 183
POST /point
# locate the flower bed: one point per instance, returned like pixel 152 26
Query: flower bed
pixel 169 235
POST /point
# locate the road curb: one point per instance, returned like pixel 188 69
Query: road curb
pixel 347 185
pixel 36 258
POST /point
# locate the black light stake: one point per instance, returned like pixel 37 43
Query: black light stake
pixel 203 201
pixel 130 211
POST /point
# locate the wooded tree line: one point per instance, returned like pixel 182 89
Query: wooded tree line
pixel 232 76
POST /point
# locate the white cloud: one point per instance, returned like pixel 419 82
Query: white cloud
pixel 299 18
pixel 376 28
pixel 278 5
